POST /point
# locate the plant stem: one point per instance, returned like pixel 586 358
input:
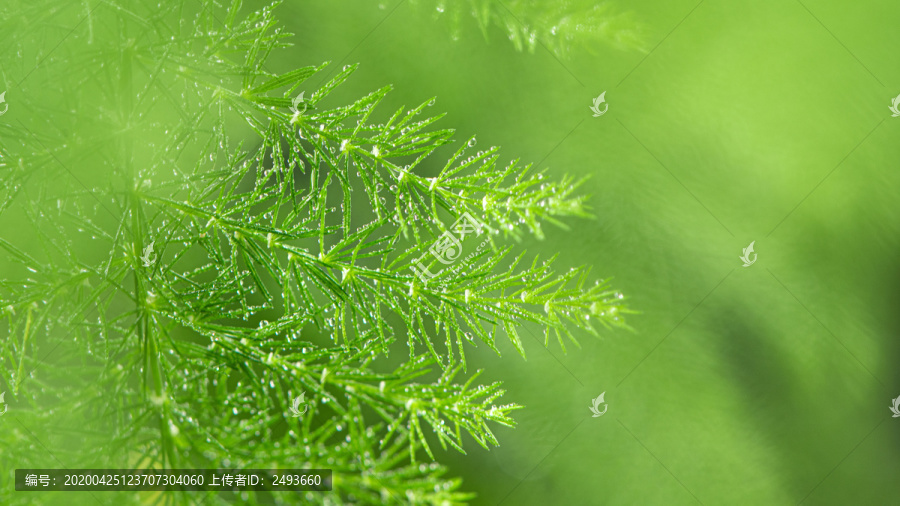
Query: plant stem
pixel 22 356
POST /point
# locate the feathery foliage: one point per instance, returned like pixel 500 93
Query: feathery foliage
pixel 210 239
pixel 558 26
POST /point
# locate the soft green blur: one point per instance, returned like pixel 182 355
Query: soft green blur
pixel 728 122
pixel 749 122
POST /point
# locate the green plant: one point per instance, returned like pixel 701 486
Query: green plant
pixel 184 254
pixel 558 26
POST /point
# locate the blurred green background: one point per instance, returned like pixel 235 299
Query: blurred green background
pixel 728 123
